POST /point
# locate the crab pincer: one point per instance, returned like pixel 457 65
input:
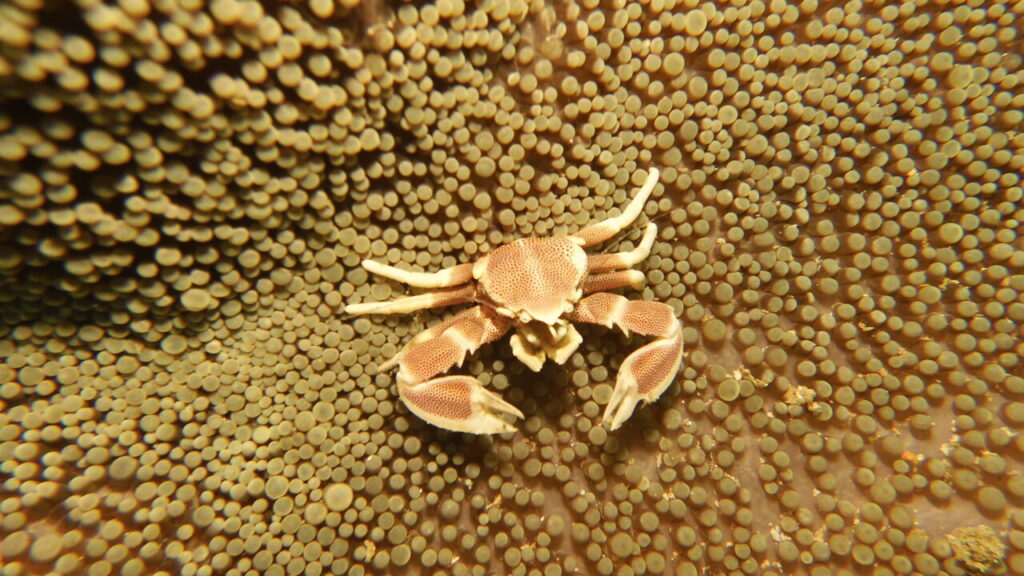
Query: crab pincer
pixel 458 403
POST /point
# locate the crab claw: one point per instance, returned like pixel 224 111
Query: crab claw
pixel 644 375
pixel 459 403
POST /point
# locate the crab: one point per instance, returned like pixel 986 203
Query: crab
pixel 538 288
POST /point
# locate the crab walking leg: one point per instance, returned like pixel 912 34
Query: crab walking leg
pixel 619 260
pixel 458 403
pixel 459 274
pixel 610 280
pixel 437 299
pixel 646 373
pixel 597 233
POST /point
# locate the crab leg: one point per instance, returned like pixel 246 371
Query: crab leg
pixel 459 274
pixel 619 260
pixel 458 403
pixel 646 373
pixel 615 279
pixel 597 233
pixel 437 299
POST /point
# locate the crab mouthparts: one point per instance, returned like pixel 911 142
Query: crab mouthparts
pixel 535 342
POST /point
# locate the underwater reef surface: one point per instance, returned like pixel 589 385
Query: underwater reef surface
pixel 188 189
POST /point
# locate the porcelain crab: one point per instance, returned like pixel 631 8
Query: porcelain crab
pixel 538 287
